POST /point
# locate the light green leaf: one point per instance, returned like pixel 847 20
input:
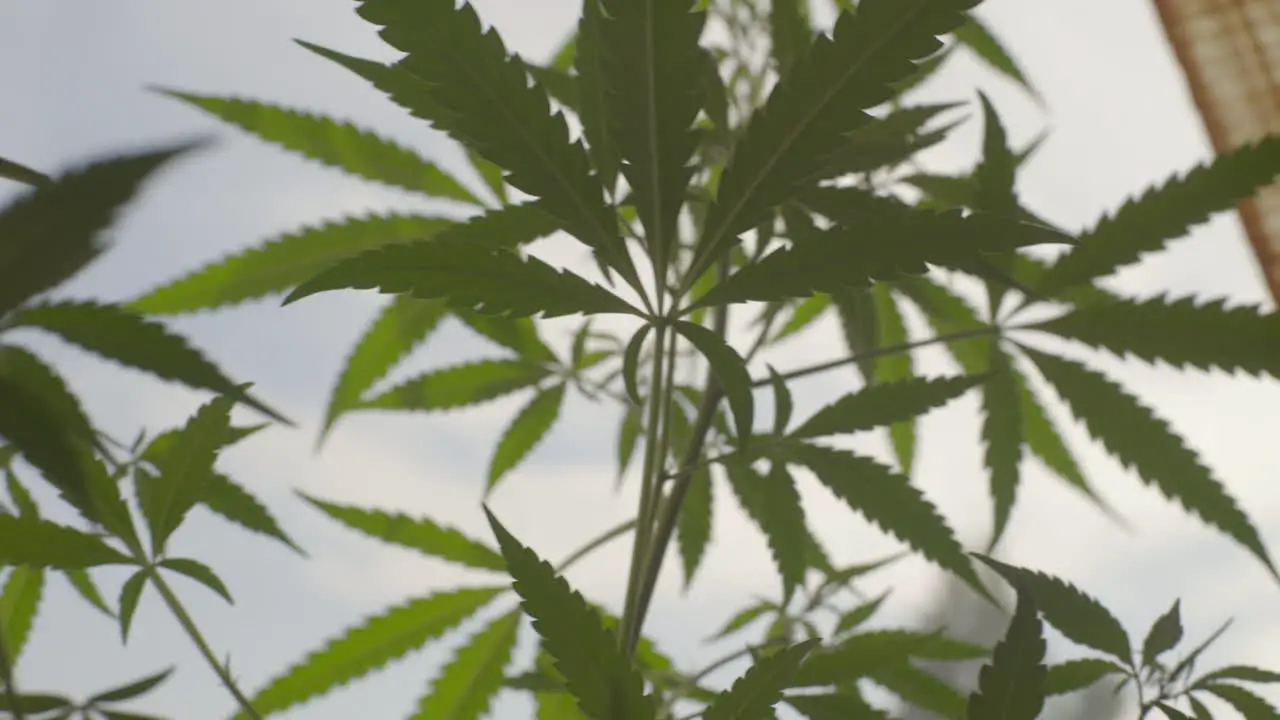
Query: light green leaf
pixel 39 543
pixel 897 367
pixel 1075 675
pixel 492 280
pixel 760 688
pixel 628 436
pixel 1164 635
pixel 606 684
pixel 85 587
pixel 199 572
pixel 466 686
pixel 1142 441
pixel 334 143
pixel 526 430
pixel 1205 334
pixel 285 261
pixel 651 80
pixel 844 705
pixel 1012 685
pixel 130 339
pixel 369 646
pixel 513 333
pixel 459 385
pixel 803 315
pixel 404 323
pixel 1002 436
pixel 1146 224
pixel 559 84
pixel 223 496
pixel 730 371
pixel 858 655
pixel 983 43
pixel 19 602
pixel 186 470
pixel 484 100
pixel 884 404
pixel 1078 616
pixel 809 111
pixel 50 233
pixel 888 241
pixel 490 173
pixel 889 500
pixel 772 501
pixel 693 526
pixel 18 172
pixel 421 534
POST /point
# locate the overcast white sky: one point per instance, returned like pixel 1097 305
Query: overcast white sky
pixel 74 75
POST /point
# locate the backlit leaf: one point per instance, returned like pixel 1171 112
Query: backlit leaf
pixel 223 496
pixel 369 646
pixel 773 503
pixel 421 534
pixel 40 543
pixel 466 686
pixel 592 95
pixel 760 688
pixel 1078 674
pixel 730 371
pixel 983 43
pixel 524 433
pixel 1144 442
pixel 335 143
pixel 1164 635
pixel 130 339
pixel 884 404
pixel 458 385
pixel 199 572
pixel 1002 437
pixel 693 526
pixel 19 603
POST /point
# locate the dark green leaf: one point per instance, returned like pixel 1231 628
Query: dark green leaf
pixel 19 603
pixel 419 534
pixel 730 371
pixel 631 364
pixel 1081 618
pixel 813 106
pixel 483 99
pixel 1165 633
pixel 860 654
pixel 859 614
pixel 1248 704
pixel 888 241
pixel 1201 333
pixel 651 73
pixel 334 143
pixel 18 172
pixel 887 141
pixel 492 280
pixel 1164 213
pixel 1078 674
pixel 1012 686
pixel 889 500
pixel 628 435
pixel 1141 440
pixel 693 526
pixel 1002 434
pixel 858 321
pixel 490 173
pixel 369 646
pixel 920 689
pixel 845 705
pixel 85 587
pixel 459 385
pixel 884 404
pixel 606 684
pixel 792 33
pixel 186 470
pixel 592 95
pixel 524 433
pixel 744 618
pixel 29 425
pixel 782 405
pixel 1171 712
pixel 466 686
pixel 403 324
pixel 975 36
pixel 285 261
pixel 199 572
pixel 40 543
pixel 761 687
pixel 130 339
pixel 36 703
pixel 1240 672
pixel 131 690
pixel 130 595
pixel 50 233
pixel 772 501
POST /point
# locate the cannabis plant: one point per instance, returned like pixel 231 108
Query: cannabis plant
pixel 737 175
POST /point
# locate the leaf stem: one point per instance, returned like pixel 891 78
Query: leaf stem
pixel 880 352
pixel 595 544
pixel 184 619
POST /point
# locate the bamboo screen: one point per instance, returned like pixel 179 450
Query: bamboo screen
pixel 1230 54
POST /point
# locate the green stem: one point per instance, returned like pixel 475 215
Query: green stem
pixel 6 677
pixel 650 485
pixel 184 619
pixel 596 544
